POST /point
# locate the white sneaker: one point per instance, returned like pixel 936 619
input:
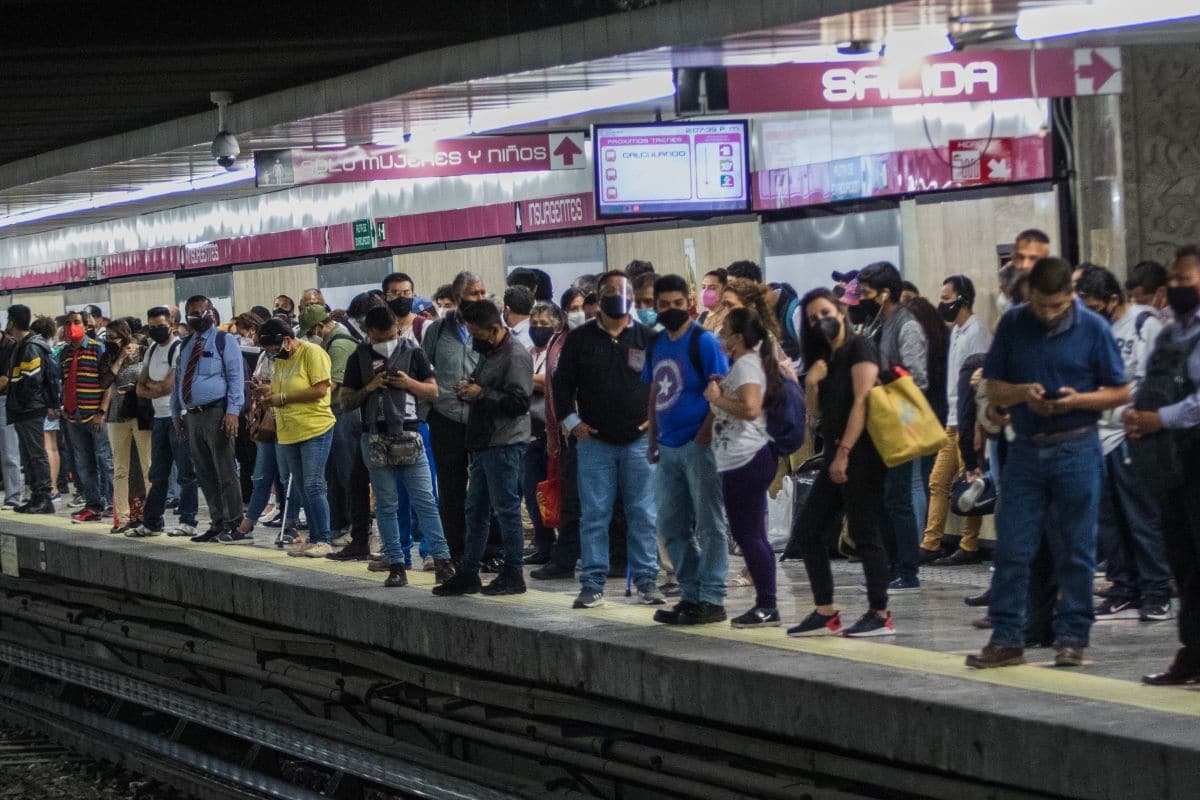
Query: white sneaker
pixel 318 550
pixel 342 540
pixel 182 529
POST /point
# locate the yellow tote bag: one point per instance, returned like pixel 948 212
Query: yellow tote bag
pixel 901 423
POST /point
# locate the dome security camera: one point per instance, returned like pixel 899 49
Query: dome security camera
pixel 225 150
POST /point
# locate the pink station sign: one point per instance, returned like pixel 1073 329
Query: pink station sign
pixel 967 76
pixel 476 155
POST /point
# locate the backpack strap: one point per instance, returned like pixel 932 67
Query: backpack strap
pixel 172 353
pixel 418 327
pixel 693 350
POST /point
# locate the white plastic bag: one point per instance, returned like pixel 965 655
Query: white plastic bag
pixel 779 515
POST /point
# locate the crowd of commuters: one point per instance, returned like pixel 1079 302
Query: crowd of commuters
pixel 650 403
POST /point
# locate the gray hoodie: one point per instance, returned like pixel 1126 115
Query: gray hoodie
pixel 500 415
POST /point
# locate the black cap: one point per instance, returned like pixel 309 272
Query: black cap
pixel 844 277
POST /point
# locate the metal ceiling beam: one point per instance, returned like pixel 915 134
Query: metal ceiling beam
pixel 681 23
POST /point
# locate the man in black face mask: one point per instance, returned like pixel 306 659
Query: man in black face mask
pixel 210 390
pixel 497 393
pixel 156 383
pixel 1175 362
pixel 968 337
pixel 599 396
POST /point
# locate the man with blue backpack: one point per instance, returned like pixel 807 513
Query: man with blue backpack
pixel 679 363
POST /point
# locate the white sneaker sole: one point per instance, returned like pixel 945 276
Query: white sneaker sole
pixel 869 634
pixel 748 625
pixel 822 631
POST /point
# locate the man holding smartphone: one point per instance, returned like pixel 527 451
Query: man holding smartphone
pixel 1056 366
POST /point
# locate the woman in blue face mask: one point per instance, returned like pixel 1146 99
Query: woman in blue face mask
pixel 545 325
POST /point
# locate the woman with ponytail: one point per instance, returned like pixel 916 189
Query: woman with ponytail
pixel 743 453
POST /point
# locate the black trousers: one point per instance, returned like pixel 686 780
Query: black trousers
pixel 1181 532
pixel 861 499
pixel 566 548
pixel 34 462
pixel 348 480
pixel 449 441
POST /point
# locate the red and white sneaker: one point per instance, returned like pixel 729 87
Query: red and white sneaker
pixel 87 515
pixel 872 624
pixel 817 624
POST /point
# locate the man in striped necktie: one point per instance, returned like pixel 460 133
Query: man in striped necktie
pixel 207 399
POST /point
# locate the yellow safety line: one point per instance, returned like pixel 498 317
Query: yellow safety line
pixel 1032 678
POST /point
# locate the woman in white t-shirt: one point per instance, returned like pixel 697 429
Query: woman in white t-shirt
pixel 743 453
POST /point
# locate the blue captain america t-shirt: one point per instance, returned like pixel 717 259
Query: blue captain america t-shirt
pixel 678 392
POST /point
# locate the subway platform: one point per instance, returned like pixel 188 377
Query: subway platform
pixel 906 701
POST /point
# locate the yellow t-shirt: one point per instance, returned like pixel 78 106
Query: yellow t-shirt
pixel 298 422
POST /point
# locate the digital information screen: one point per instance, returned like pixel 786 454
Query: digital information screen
pixel 677 168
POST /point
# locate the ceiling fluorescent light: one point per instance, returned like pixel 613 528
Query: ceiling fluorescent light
pixel 916 43
pixel 107 199
pixel 1068 20
pixel 807 54
pixel 654 86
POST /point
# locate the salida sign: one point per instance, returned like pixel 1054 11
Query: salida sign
pixel 955 77
pixel 478 155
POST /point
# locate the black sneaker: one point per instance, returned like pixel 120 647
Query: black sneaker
pixel 960 558
pixel 670 616
pixel 757 618
pixel 493 566
pixel 872 624
pixel 351 552
pixel 537 558
pixel 462 583
pixel 504 584
pixel 702 614
pixel 817 624
pixel 209 535
pixel 588 599
pixel 42 506
pixel 1116 609
pixel 1155 612
pixel 928 556
pixel 235 537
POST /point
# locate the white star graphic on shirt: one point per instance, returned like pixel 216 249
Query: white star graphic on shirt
pixel 664 386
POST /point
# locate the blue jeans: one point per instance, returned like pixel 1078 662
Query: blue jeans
pixel 904 505
pixel 604 469
pixel 687 489
pixel 305 463
pixel 415 484
pixel 494 485
pixel 1131 535
pixel 93 463
pixel 1060 482
pixel 266 475
pixel 410 526
pixel 169 453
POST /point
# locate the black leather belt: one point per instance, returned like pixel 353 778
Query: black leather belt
pixel 1050 439
pixel 205 407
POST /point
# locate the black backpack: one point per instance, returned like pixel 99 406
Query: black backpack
pixel 1157 458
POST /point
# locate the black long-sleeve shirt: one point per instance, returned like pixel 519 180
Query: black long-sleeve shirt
pixel 598 381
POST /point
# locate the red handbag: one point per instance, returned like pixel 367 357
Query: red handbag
pixel 549 494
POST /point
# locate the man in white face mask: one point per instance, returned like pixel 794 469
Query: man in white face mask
pixel 383 382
